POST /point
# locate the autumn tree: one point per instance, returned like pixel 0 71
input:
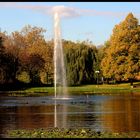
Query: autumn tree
pixel 122 57
pixel 13 49
pixel 34 65
pixel 49 65
pixel 7 62
pixel 36 44
pixel 1 60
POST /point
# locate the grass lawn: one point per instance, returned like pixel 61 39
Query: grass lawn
pixel 83 89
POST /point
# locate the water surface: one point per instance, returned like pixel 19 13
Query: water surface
pixel 117 113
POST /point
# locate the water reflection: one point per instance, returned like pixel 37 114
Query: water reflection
pixel 103 113
pixel 124 114
pixel 60 115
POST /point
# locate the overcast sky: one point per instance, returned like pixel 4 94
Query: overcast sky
pixel 79 20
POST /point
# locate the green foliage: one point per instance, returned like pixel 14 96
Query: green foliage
pixel 23 77
pixel 80 61
pixel 69 133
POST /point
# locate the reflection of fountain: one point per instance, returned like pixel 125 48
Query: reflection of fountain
pixel 60 83
pixel 55 115
pixel 60 115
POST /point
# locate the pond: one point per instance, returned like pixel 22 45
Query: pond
pixel 117 113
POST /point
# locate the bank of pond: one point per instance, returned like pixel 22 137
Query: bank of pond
pixel 77 90
pixel 68 133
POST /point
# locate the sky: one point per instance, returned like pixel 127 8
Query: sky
pixel 80 21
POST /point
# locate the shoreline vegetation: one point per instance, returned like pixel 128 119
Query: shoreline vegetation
pixel 68 133
pixel 24 65
pixel 77 90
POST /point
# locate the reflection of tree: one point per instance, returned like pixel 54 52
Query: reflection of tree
pixel 35 116
pixel 30 117
pixel 7 119
pixel 124 114
pixel 118 114
pixel 77 115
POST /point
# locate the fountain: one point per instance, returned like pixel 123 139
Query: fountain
pixel 60 83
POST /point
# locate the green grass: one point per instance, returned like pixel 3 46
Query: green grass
pixel 83 89
pixel 68 133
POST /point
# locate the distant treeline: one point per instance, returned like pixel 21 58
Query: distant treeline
pixel 27 57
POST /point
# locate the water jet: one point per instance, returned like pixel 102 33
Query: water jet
pixel 60 83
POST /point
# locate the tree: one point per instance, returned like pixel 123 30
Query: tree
pixel 122 57
pixel 23 48
pixel 100 56
pixel 36 44
pixel 13 50
pixel 80 61
pixel 7 62
pixel 2 73
pixel 34 65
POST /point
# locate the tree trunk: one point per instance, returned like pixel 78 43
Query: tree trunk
pixel 47 77
pixel 131 83
pixel 35 79
pixel 107 81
